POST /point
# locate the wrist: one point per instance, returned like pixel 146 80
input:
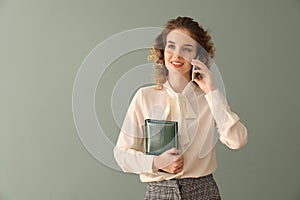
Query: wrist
pixel 211 88
pixel 154 167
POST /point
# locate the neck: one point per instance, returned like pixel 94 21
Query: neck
pixel 178 82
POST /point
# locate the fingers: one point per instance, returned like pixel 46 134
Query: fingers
pixel 179 159
pixel 205 80
pixel 176 166
pixel 199 64
pixel 171 161
pixel 167 158
pixel 200 69
pixel 178 169
pixel 173 151
pixel 175 155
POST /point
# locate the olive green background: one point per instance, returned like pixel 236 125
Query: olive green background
pixel 44 42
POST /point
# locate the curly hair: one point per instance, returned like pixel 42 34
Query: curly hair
pixel 205 49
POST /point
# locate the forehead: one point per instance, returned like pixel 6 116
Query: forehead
pixel 180 37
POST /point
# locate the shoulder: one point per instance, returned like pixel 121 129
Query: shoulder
pixel 143 94
pixel 148 90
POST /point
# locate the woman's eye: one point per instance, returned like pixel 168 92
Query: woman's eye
pixel 171 46
pixel 187 49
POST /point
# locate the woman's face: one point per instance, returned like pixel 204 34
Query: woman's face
pixel 179 51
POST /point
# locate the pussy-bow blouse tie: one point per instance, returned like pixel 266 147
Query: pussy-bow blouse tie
pixel 180 109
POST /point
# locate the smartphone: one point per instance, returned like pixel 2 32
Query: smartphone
pixel 198 75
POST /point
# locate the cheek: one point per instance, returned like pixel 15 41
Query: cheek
pixel 167 55
pixel 190 57
pixel 189 67
pixel 188 61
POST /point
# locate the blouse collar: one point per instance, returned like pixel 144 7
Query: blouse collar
pixel 183 99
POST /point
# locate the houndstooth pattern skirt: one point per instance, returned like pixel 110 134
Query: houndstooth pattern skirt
pixel 202 188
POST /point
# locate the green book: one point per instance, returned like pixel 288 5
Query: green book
pixel 161 135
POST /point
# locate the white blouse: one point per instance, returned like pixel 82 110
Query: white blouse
pixel 197 114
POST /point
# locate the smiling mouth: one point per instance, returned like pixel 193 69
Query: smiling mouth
pixel 176 64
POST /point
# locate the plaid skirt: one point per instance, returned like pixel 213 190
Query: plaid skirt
pixel 202 188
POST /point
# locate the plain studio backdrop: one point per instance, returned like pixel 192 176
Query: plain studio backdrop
pixel 44 42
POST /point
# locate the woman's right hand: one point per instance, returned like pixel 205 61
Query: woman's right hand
pixel 170 161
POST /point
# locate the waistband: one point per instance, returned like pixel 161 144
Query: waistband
pixel 182 181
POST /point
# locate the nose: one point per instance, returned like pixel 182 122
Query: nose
pixel 177 55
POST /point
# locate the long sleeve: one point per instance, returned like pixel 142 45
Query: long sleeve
pixel 129 159
pixel 129 150
pixel 232 132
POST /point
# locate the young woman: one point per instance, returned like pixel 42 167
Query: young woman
pixel 197 105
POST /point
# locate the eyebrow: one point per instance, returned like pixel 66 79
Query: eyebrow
pixel 170 41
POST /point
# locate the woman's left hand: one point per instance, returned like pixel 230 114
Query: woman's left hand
pixel 206 83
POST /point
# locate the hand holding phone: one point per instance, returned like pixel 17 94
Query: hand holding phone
pixel 203 77
pixel 196 74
